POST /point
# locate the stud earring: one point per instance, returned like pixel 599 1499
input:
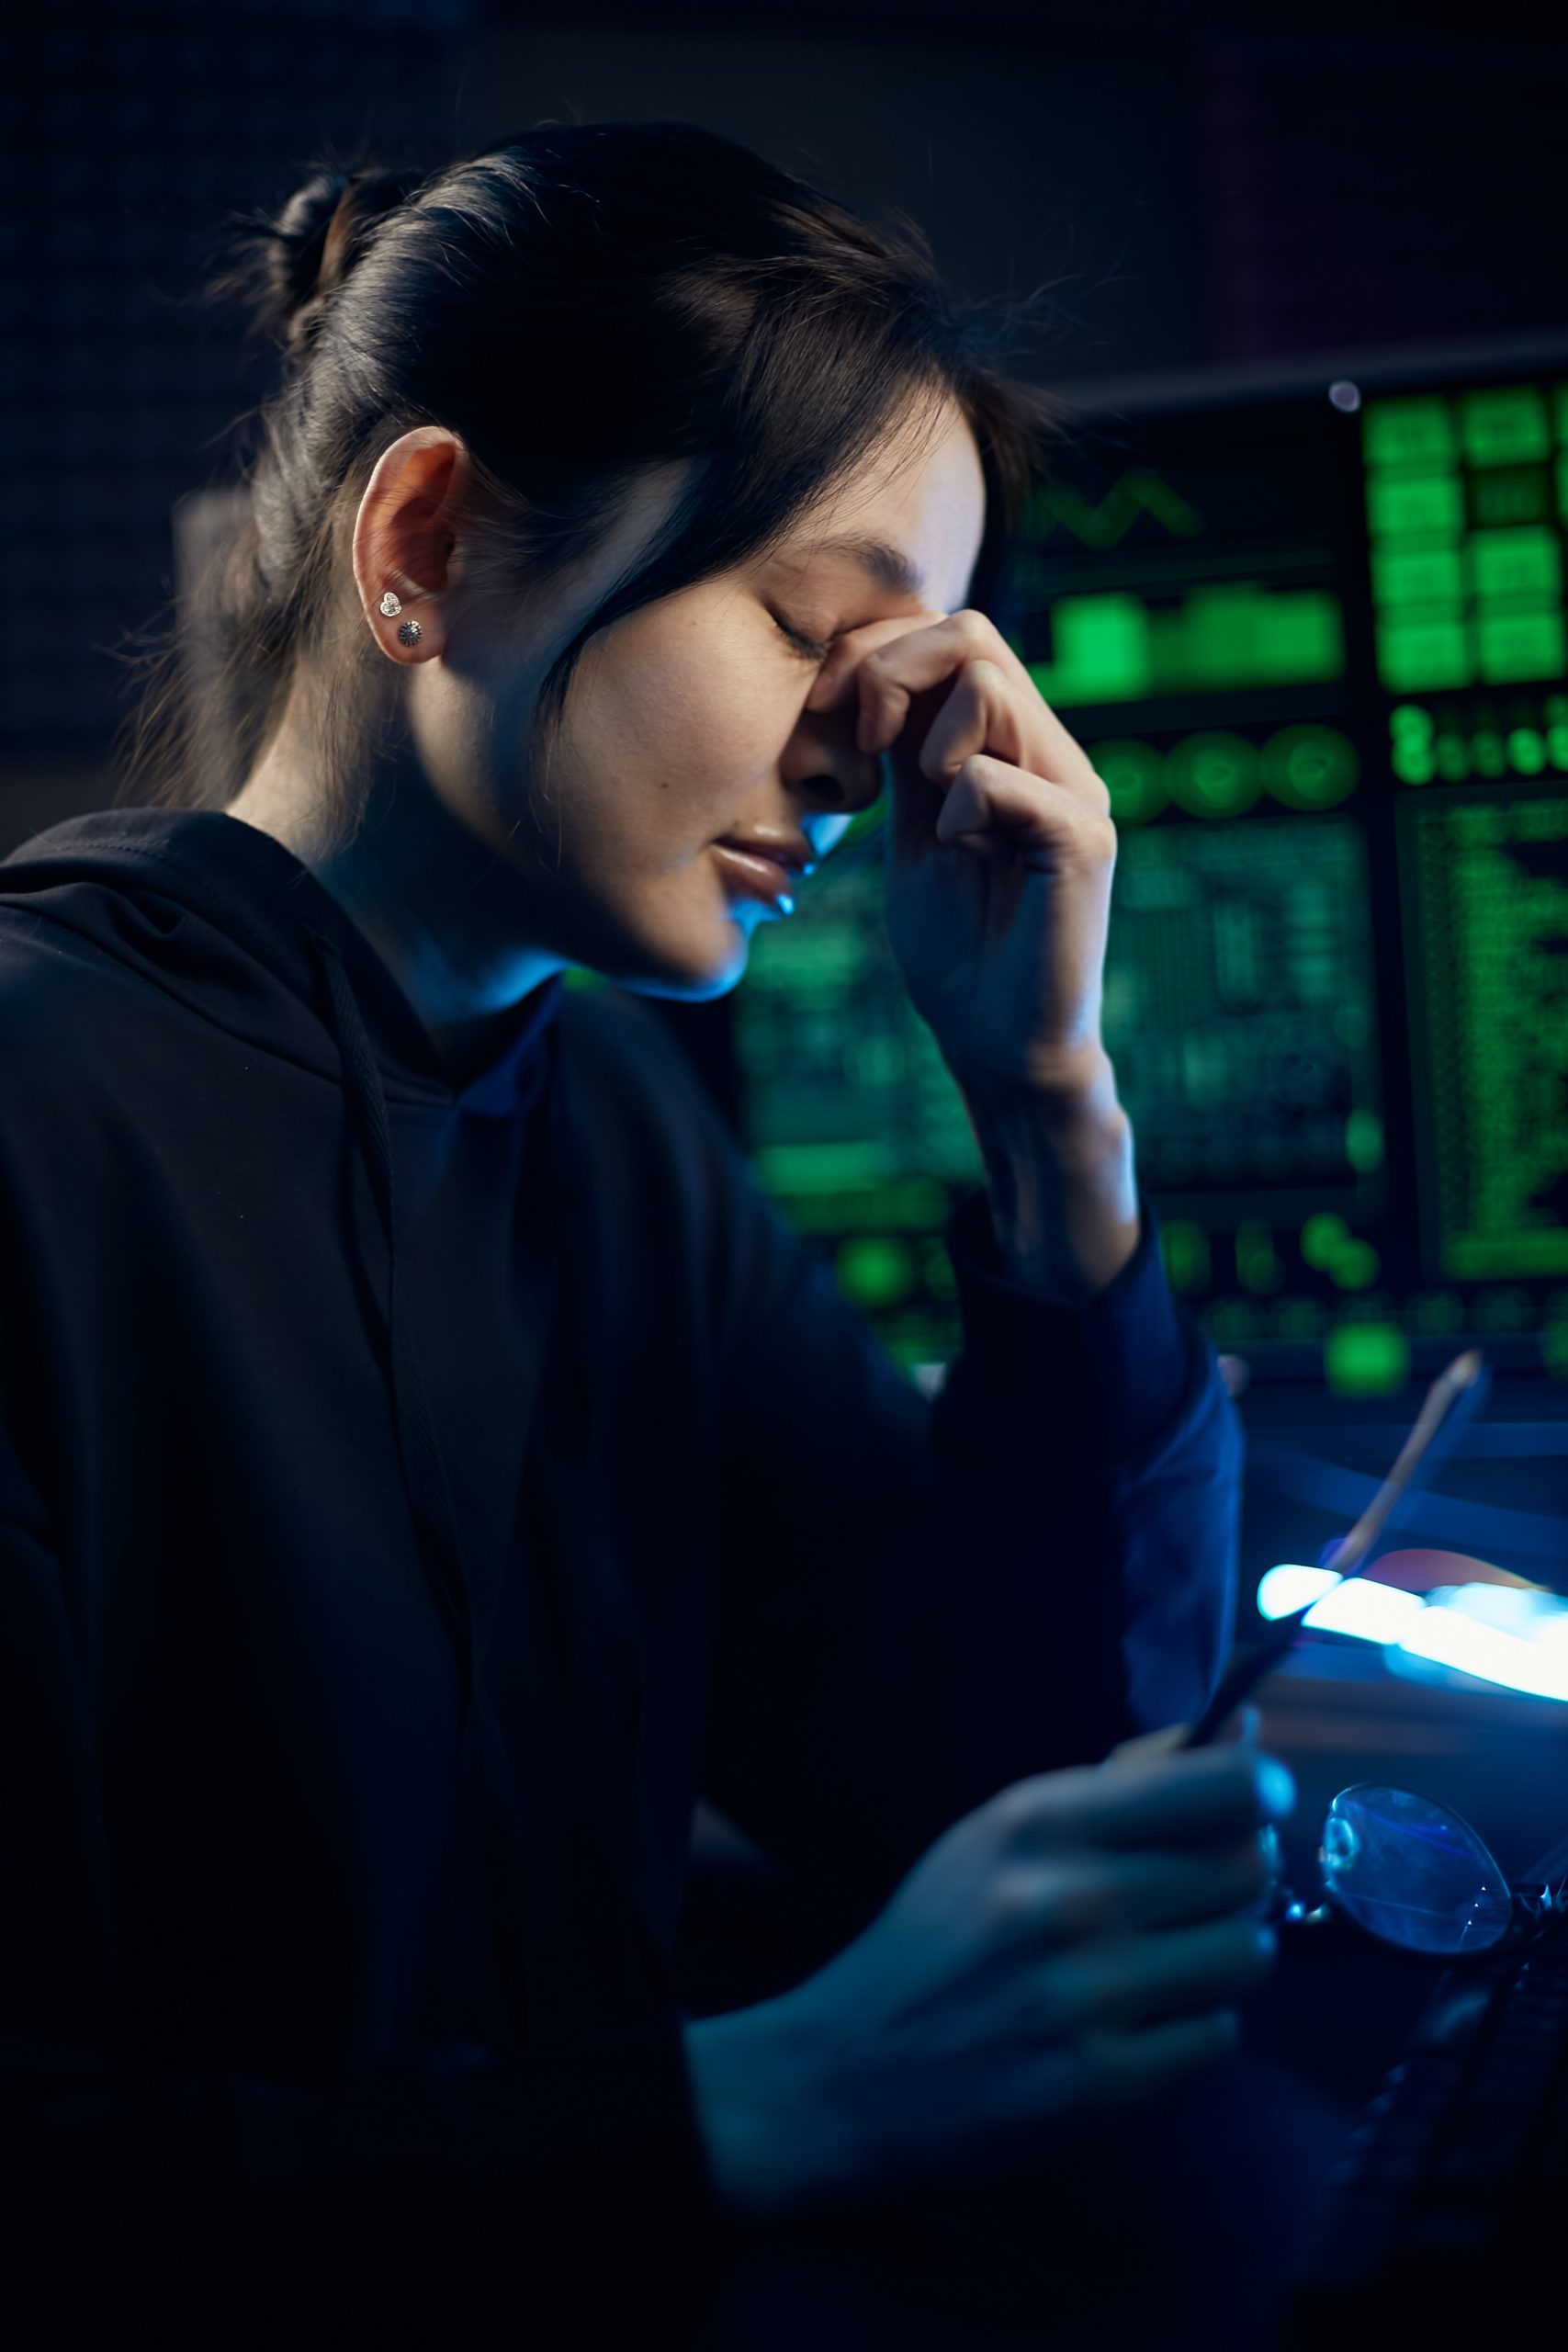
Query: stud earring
pixel 391 605
pixel 409 633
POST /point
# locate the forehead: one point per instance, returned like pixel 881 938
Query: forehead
pixel 910 519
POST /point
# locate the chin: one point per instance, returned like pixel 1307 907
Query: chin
pixel 689 978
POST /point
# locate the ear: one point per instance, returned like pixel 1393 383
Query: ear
pixel 403 536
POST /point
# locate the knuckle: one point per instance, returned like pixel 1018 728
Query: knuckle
pixel 1012 1902
pixel 1015 1807
pixel 1026 1807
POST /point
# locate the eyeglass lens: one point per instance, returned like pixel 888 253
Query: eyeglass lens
pixel 1412 1872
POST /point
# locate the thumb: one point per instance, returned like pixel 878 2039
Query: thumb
pixel 1148 1746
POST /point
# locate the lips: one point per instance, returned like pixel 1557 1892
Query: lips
pixel 795 862
pixel 765 874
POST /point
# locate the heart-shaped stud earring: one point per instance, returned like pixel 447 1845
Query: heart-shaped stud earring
pixel 391 605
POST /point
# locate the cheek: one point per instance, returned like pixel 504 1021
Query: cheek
pixel 691 754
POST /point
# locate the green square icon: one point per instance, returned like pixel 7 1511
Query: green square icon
pixel 1416 655
pixel 1505 428
pixel 1417 432
pixel 1526 564
pixel 1515 646
pixel 1419 575
pixel 1415 505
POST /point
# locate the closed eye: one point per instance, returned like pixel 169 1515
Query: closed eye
pixel 808 646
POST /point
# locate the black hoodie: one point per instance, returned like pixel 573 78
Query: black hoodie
pixel 410 1501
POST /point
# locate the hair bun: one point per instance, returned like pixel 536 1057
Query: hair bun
pixel 301 233
pixel 310 247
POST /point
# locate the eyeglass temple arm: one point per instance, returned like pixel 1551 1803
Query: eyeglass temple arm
pixel 1449 1402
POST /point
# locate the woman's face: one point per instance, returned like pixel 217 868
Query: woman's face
pixel 685 725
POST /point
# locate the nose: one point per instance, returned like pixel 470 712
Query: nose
pixel 836 779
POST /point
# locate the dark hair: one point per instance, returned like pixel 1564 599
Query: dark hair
pixel 578 303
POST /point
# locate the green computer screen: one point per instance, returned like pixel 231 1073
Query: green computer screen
pixel 1314 641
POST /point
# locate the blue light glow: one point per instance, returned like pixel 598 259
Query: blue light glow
pixel 1374 1612
pixel 1517 1638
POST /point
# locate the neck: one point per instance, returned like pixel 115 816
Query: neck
pixel 440 907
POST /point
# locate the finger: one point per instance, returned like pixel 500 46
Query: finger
pixel 1246 1726
pixel 1051 1904
pixel 1116 2065
pixel 1149 1746
pixel 915 803
pixel 933 792
pixel 985 722
pixel 891 674
pixel 1138 1979
pixel 995 801
pixel 1201 1795
pixel 980 714
pixel 834 686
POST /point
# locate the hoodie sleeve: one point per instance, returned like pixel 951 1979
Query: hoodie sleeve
pixel 409 2197
pixel 923 1599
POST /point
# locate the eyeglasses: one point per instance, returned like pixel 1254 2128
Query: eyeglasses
pixel 1450 1400
pixel 1398 1866
pixel 1412 1873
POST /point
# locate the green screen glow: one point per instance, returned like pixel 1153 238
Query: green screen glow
pixel 1467 559
pixel 854 1124
pixel 1366 1359
pixel 1488 881
pixel 1335 989
pixel 1238 1007
pixel 1116 647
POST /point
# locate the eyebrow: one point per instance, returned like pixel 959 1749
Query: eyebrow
pixel 888 565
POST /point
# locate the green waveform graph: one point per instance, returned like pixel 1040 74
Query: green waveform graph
pixel 1137 492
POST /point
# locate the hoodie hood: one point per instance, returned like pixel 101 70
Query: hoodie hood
pixel 227 920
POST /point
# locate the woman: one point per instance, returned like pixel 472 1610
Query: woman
pixel 429 1462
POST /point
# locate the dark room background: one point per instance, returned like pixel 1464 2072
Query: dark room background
pixel 1199 185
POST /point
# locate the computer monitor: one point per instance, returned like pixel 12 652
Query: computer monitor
pixel 1310 628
